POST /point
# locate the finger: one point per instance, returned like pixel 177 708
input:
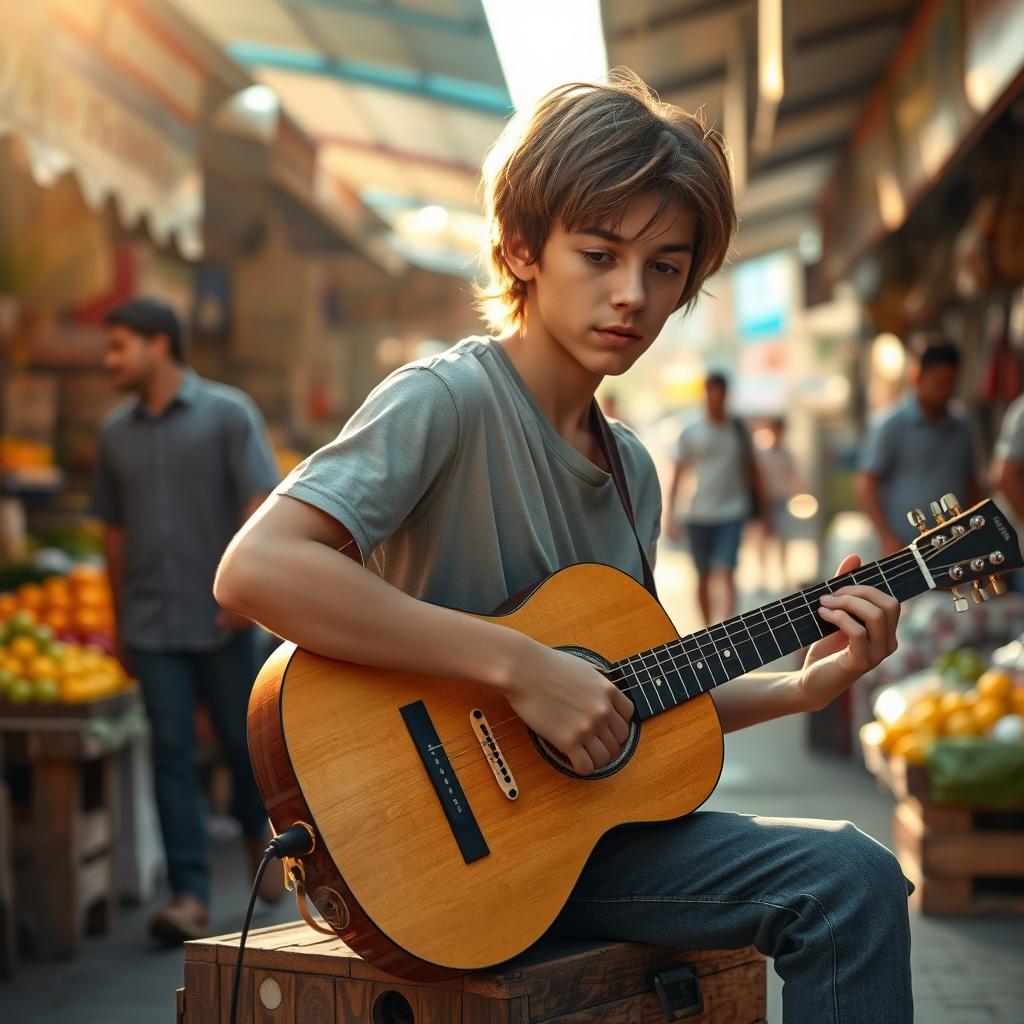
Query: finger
pixel 848 564
pixel 623 706
pixel 612 744
pixel 889 606
pixel 581 761
pixel 619 728
pixel 855 633
pixel 870 615
pixel 598 752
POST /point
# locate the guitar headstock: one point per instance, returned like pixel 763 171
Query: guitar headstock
pixel 970 548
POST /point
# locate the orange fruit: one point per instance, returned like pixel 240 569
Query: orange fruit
pixel 91 597
pixel 995 683
pixel 42 666
pixel 952 701
pixel 22 647
pixel 30 596
pixel 894 733
pixel 85 620
pixel 85 574
pixel 926 715
pixel 8 606
pixel 988 711
pixel 962 723
pixel 912 747
pixel 57 619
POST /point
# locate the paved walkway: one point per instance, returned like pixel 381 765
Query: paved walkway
pixel 967 971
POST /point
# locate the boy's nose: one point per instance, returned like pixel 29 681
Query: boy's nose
pixel 629 292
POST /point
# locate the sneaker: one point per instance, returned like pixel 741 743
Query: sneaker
pixel 272 884
pixel 182 918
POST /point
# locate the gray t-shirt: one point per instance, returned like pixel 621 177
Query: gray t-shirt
pixel 460 492
pixel 918 460
pixel 714 452
pixel 1011 446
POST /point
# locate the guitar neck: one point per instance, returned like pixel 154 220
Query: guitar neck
pixel 664 677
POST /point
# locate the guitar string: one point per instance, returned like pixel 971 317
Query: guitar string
pixel 475 749
pixel 724 626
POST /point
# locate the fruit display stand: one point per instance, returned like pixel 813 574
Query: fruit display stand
pixel 63 766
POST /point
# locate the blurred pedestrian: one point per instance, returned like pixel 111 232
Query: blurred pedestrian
pixel 1007 472
pixel 179 468
pixel 781 477
pixel 919 451
pixel 717 450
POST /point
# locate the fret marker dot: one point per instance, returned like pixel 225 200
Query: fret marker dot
pixel 728 654
pixel 657 682
pixel 700 664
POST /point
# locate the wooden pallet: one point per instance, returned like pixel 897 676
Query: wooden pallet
pixel 963 860
pixel 293 975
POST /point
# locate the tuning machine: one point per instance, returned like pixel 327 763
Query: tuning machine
pixel 959 601
pixel 996 586
pixel 950 503
pixel 916 519
pixel 980 596
pixel 937 513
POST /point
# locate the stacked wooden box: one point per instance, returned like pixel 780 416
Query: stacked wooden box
pixel 293 975
pixel 961 858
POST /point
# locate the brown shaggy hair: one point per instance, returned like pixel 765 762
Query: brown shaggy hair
pixel 586 152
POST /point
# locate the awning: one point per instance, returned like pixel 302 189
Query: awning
pixel 105 90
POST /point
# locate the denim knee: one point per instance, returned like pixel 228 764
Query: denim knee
pixel 866 876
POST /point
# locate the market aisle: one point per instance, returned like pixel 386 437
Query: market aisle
pixel 966 971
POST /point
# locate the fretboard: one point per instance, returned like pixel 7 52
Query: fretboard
pixel 664 677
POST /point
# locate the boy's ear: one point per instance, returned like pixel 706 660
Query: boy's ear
pixel 520 260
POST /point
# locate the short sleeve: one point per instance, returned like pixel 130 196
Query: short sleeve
pixel 105 500
pixel 250 460
pixel 879 451
pixel 684 448
pixel 380 470
pixel 1011 436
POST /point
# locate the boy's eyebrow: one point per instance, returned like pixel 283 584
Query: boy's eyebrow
pixel 610 236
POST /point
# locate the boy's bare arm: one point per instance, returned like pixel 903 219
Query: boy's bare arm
pixel 286 571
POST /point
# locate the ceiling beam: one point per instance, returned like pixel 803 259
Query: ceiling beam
pixel 399 15
pixel 671 19
pixel 476 96
pixel 856 26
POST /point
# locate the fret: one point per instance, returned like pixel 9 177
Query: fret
pixel 719 636
pixel 738 638
pixel 655 684
pixel 801 619
pixel 811 604
pixel 683 670
pixel 778 619
pixel 752 657
pixel 814 595
pixel 633 686
pixel 698 663
pixel 711 657
pixel 764 636
pixel 666 669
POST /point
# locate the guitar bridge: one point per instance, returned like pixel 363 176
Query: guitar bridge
pixel 489 745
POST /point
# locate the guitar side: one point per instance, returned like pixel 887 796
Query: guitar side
pixel 330 747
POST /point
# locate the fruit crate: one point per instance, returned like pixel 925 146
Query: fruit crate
pixel 963 859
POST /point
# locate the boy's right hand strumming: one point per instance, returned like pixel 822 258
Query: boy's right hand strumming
pixel 572 705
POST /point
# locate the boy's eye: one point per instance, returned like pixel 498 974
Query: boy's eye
pixel 666 268
pixel 596 257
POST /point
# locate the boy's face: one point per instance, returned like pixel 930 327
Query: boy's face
pixel 603 294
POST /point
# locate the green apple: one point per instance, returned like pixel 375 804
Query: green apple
pixel 20 691
pixel 46 691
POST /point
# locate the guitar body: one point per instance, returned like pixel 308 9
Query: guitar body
pixel 330 747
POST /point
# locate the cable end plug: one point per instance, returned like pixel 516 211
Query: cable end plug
pixel 297 841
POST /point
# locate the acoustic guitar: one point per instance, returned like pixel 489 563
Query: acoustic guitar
pixel 447 835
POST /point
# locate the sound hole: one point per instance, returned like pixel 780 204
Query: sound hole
pixel 392 1008
pixel 560 762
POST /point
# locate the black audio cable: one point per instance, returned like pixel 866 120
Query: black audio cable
pixel 296 841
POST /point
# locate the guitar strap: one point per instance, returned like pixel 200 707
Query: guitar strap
pixel 606 439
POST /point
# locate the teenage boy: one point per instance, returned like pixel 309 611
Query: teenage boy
pixel 179 468
pixel 475 473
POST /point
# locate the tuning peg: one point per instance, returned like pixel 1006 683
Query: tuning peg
pixel 937 513
pixel 959 602
pixel 996 586
pixel 979 595
pixel 951 504
pixel 916 519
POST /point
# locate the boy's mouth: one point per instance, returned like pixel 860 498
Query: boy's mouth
pixel 619 334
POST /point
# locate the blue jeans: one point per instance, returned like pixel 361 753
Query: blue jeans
pixel 171 683
pixel 826 901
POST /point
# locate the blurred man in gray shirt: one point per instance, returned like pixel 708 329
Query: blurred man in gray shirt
pixel 178 469
pixel 918 452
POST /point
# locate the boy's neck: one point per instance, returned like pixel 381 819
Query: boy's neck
pixel 562 388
